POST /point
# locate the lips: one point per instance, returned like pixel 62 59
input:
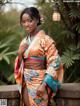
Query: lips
pixel 28 28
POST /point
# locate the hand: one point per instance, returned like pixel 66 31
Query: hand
pixel 41 89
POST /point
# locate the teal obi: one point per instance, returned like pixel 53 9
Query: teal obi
pixel 53 84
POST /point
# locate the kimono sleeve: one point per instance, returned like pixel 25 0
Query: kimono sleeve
pixel 18 67
pixel 23 46
pixel 17 71
pixel 52 77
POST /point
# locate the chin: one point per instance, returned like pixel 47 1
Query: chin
pixel 27 30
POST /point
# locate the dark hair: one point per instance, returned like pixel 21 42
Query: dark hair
pixel 32 12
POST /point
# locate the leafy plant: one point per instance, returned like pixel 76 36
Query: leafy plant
pixel 9 41
pixel 66 33
pixel 71 55
pixel 5 50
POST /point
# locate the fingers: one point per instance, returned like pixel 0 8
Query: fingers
pixel 41 90
pixel 39 93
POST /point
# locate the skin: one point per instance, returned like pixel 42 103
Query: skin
pixel 30 26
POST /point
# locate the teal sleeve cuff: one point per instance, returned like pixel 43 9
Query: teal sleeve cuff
pixel 53 84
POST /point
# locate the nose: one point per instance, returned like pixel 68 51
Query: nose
pixel 26 24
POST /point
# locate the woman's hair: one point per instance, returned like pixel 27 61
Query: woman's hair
pixel 32 12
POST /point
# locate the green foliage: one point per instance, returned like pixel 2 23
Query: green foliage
pixel 78 27
pixel 71 55
pixel 10 36
pixel 66 33
pixel 74 13
pixel 5 51
pixel 11 78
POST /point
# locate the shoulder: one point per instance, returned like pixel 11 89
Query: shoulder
pixel 45 37
pixel 24 41
pixel 47 40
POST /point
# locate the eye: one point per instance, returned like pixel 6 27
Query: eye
pixel 23 21
pixel 30 20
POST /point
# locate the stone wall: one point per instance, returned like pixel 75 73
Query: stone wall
pixel 9 94
pixel 69 95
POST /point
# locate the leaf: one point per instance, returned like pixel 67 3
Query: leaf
pixel 67 33
pixel 3 45
pixel 6 59
pixel 11 53
pixel 69 57
pixel 1 57
pixel 3 53
pixel 7 43
pixel 74 13
pixel 5 50
pixel 67 61
pixel 78 27
pixel 11 78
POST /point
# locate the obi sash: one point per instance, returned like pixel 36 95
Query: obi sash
pixel 35 62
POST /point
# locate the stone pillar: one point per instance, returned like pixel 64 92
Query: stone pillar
pixel 69 95
pixel 11 94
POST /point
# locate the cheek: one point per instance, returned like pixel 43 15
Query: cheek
pixel 22 24
pixel 34 25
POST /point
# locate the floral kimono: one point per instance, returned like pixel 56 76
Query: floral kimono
pixel 41 62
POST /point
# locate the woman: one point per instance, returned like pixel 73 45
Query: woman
pixel 38 62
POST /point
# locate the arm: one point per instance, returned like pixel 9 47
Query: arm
pixel 19 63
pixel 53 65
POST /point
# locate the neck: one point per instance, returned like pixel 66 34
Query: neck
pixel 33 33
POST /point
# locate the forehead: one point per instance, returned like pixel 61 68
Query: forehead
pixel 26 16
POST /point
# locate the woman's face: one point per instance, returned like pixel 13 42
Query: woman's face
pixel 28 24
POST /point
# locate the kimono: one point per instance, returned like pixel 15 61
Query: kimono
pixel 41 64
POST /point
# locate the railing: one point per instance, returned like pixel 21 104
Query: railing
pixel 69 95
pixel 9 95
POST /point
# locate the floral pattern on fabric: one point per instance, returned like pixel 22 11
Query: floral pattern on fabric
pixel 42 45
